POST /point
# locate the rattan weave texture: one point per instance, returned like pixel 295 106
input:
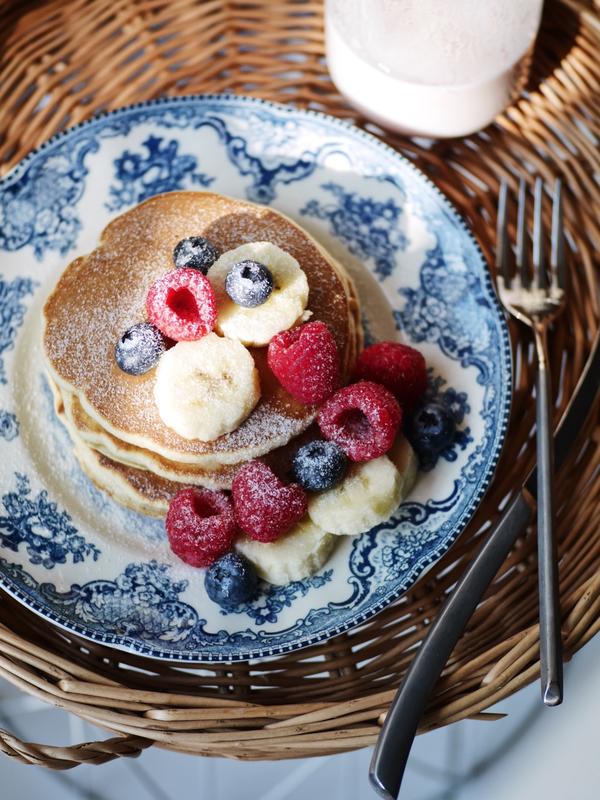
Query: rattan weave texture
pixel 64 60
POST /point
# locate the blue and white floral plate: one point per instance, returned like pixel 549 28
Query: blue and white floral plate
pixel 81 561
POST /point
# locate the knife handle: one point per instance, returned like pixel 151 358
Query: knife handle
pixel 400 726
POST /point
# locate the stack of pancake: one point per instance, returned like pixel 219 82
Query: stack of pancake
pixel 112 418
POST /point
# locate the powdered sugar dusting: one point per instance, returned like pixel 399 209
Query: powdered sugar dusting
pixel 100 296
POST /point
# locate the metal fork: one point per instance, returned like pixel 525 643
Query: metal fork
pixel 537 299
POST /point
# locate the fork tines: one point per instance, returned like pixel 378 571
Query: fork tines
pixel 515 266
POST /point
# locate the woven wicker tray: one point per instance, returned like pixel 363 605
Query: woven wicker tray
pixel 64 60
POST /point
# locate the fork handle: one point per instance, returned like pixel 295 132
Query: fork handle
pixel 551 665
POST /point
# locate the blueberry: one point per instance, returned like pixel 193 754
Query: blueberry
pixel 195 253
pixel 231 580
pixel 139 349
pixel 430 429
pixel 319 465
pixel 249 283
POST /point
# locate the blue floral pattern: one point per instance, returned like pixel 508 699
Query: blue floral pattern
pixel 40 207
pixel 360 193
pixel 280 162
pixel 446 308
pixel 161 169
pixel 48 533
pixel 12 313
pixel 9 425
pixel 142 602
pixel 401 544
pixel 264 176
pixel 369 227
pixel 273 599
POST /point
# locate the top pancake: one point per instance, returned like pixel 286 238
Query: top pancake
pixel 100 295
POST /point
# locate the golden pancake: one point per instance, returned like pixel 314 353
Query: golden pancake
pixel 148 493
pixel 84 431
pixel 138 490
pixel 133 488
pixel 92 435
pixel 142 490
pixel 211 475
pixel 100 295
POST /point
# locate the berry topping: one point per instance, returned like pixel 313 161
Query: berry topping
pixel 249 283
pixel 399 368
pixel 430 429
pixel 305 361
pixel 200 525
pixel 264 506
pixel 319 465
pixel 139 349
pixel 195 253
pixel 182 305
pixel 231 580
pixel 363 419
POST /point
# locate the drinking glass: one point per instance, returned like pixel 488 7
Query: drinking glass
pixel 436 68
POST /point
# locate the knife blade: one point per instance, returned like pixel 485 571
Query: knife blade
pixel 399 729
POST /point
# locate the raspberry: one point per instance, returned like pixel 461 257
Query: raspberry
pixel 200 525
pixel 363 419
pixel 399 368
pixel 182 305
pixel 305 361
pixel 264 506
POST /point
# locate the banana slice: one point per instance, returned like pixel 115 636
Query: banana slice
pixel 205 388
pixel 406 461
pixel 284 307
pixel 296 555
pixel 368 495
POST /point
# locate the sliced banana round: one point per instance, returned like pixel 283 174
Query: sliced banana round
pixel 368 495
pixel 296 555
pixel 283 308
pixel 206 388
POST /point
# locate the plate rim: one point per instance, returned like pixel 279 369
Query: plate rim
pixel 128 644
